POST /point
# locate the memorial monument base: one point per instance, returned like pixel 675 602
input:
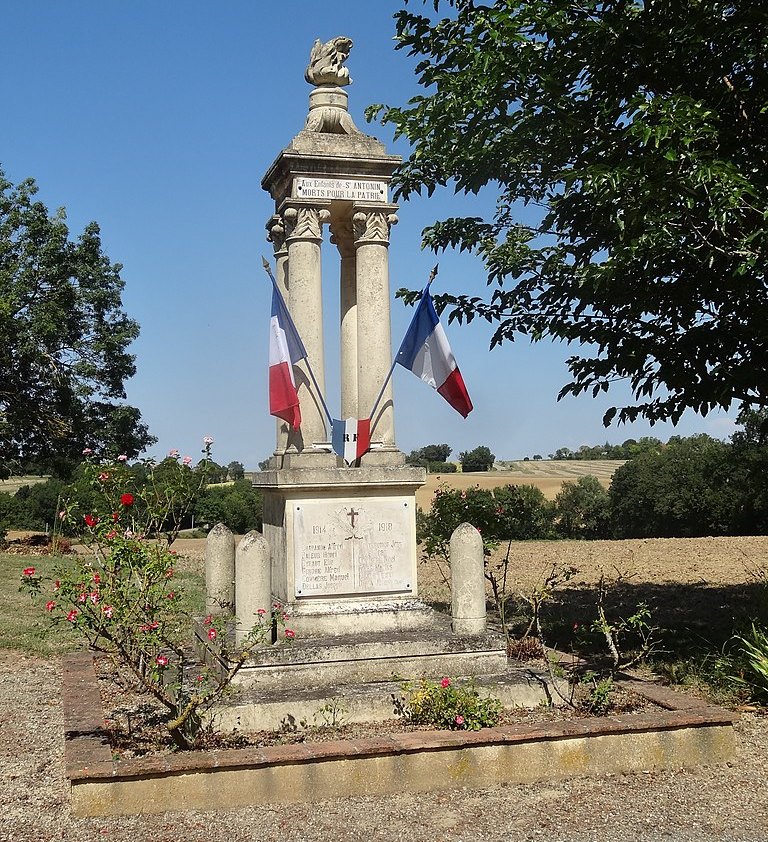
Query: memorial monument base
pixel 343 548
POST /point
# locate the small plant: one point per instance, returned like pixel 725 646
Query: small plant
pixel 637 625
pixel 599 693
pixel 333 714
pixel 446 705
pixel 755 649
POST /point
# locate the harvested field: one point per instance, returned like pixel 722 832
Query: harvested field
pixel 549 476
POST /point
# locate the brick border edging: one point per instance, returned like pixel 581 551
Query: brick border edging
pixel 88 756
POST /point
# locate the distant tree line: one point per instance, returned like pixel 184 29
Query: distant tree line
pixel 690 487
pixel 434 457
pixel 626 450
pixel 237 503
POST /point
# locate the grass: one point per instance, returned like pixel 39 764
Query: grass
pixel 26 627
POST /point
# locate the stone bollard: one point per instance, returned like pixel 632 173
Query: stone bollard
pixel 220 571
pixel 253 582
pixel 467 581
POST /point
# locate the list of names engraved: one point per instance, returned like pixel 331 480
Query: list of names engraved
pixel 352 547
pixel 348 189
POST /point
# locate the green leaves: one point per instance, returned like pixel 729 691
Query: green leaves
pixel 63 339
pixel 640 131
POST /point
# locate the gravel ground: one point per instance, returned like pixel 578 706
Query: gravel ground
pixel 728 802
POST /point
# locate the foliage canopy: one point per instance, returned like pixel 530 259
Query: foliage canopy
pixel 628 141
pixel 63 340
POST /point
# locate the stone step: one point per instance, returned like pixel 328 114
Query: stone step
pixel 273 709
pixel 324 662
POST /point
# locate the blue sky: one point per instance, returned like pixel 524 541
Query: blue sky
pixel 158 121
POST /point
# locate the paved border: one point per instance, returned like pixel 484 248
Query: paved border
pixel 683 732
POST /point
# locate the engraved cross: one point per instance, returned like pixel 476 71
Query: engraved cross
pixel 352 514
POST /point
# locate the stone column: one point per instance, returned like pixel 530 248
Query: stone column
pixel 303 227
pixel 276 236
pixel 467 581
pixel 253 582
pixel 344 240
pixel 374 341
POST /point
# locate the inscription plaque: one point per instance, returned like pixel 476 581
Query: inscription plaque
pixel 341 188
pixel 352 547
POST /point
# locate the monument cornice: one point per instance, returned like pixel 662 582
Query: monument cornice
pixel 289 165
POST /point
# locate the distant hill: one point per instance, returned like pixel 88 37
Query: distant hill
pixel 13 484
pixel 546 474
pixel 565 468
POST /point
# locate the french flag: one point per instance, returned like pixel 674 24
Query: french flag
pixel 425 351
pixel 350 439
pixel 285 349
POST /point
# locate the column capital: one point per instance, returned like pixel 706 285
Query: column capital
pixel 342 236
pixel 304 220
pixel 371 225
pixel 276 235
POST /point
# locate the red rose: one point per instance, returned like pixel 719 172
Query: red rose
pixel 90 521
pixel 29 571
pixel 126 499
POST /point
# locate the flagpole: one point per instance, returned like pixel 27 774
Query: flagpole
pixel 268 270
pixel 432 276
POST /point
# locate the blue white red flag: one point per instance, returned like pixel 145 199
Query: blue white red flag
pixel 285 349
pixel 425 351
pixel 350 439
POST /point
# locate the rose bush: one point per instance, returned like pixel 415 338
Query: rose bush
pixel 122 596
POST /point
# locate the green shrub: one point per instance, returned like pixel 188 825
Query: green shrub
pixel 446 705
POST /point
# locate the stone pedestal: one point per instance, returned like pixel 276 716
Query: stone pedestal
pixel 343 544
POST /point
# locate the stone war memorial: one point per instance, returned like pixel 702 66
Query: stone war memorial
pixel 339 540
pixel 338 554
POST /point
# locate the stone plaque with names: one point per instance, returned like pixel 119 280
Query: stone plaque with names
pixel 340 188
pixel 352 547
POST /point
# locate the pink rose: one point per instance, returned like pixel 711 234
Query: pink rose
pixel 187 460
pixel 445 682
pixel 162 661
pixel 87 451
pixel 211 634
pixel 122 458
pixel 50 605
pixel 72 616
pixel 29 571
pixel 174 454
pixel 208 440
pixel 290 634
pixel 459 720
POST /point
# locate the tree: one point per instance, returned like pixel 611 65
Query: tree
pixel 237 506
pixel 235 470
pixel 479 459
pixel 687 490
pixel 63 340
pixel 436 452
pixel 433 457
pixel 582 509
pixel 636 133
